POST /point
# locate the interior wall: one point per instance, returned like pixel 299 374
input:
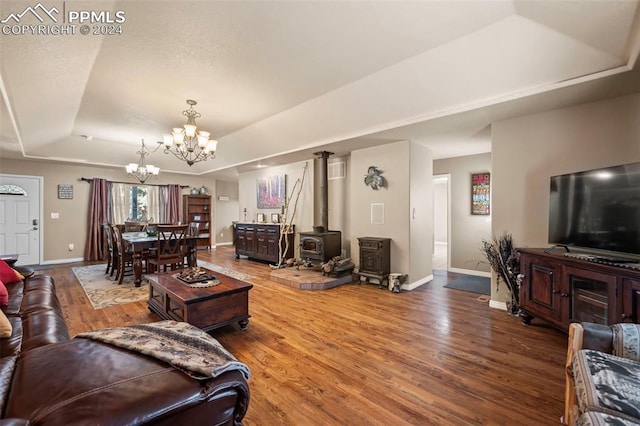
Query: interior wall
pixel 528 150
pixel 440 211
pixel 71 226
pixel 420 215
pixel 467 230
pixel 226 204
pixel 247 190
pixel 393 160
pixel 340 204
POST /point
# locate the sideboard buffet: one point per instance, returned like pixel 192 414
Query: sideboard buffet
pixel 261 241
pixel 562 288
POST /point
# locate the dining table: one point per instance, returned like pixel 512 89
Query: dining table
pixel 141 242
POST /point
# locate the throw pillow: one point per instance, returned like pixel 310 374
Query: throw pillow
pixel 8 274
pixel 4 295
pixel 5 326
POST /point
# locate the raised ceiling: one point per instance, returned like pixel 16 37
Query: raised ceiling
pixel 275 81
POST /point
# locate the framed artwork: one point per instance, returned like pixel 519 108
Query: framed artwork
pixel 275 217
pixel 260 218
pixel 271 192
pixel 480 193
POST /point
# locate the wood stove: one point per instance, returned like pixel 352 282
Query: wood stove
pixel 321 245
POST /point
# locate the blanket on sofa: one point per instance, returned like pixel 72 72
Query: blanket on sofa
pixel 179 344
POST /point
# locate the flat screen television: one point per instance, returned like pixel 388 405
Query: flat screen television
pixel 597 209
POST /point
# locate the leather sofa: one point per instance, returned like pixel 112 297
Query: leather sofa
pixel 603 375
pixel 46 378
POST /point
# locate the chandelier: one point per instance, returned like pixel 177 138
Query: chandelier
pixel 142 171
pixel 190 144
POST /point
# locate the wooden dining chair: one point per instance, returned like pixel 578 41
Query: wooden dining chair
pixel 172 248
pixel 135 226
pixel 124 254
pixel 112 255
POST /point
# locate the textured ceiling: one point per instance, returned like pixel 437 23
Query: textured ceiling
pixel 277 80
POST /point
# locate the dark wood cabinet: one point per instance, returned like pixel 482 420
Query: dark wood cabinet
pixel 261 241
pixel 196 211
pixel 540 293
pixel 564 288
pixel 630 300
pixel 375 259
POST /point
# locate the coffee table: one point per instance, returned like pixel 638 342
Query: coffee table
pixel 207 308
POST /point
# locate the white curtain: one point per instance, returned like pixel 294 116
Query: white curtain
pixel 153 204
pixel 120 202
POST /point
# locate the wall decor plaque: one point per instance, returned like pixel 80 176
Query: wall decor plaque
pixel 65 191
pixel 480 193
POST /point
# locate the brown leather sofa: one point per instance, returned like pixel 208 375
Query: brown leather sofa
pixel 46 378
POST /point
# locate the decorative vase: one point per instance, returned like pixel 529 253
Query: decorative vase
pixel 513 308
pixel 203 190
pixel 194 191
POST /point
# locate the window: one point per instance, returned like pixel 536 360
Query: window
pixel 12 190
pixel 134 202
pixel 139 203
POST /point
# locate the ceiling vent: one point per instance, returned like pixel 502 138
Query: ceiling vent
pixel 336 170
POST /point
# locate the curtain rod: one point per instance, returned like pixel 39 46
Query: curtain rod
pixel 129 183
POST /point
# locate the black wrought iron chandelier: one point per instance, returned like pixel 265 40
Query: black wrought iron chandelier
pixel 142 171
pixel 188 143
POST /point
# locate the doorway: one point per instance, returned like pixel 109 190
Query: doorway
pixel 441 245
pixel 20 217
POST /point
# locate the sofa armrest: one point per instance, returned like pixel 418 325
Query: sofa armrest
pixel 583 335
pixel 597 337
pixel 576 337
pixel 626 341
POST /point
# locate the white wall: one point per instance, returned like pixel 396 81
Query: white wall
pixel 303 218
pixel 408 206
pixel 393 160
pixel 420 215
pixel 226 211
pixel 528 150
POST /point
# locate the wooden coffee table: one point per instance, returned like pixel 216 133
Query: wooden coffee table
pixel 206 308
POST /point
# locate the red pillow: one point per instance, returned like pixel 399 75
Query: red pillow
pixel 8 274
pixel 4 295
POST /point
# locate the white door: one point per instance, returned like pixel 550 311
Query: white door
pixel 20 218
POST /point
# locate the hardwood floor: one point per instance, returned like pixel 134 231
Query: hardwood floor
pixel 360 355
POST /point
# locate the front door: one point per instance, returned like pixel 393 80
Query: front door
pixel 20 218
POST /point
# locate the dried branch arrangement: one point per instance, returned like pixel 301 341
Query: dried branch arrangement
pixel 288 214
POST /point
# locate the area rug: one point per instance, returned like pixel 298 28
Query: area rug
pixel 472 284
pixel 226 271
pixel 103 291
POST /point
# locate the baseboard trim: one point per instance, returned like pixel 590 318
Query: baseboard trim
pixel 58 261
pixel 470 272
pixel 223 244
pixel 416 284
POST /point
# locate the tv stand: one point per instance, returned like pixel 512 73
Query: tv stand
pixel 573 287
pixel 607 260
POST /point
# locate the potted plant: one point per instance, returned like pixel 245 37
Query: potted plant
pixel 504 259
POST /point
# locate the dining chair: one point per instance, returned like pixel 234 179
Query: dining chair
pixel 135 226
pixel 172 248
pixel 124 254
pixel 112 255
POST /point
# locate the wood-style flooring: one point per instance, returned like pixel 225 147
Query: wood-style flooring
pixel 360 355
